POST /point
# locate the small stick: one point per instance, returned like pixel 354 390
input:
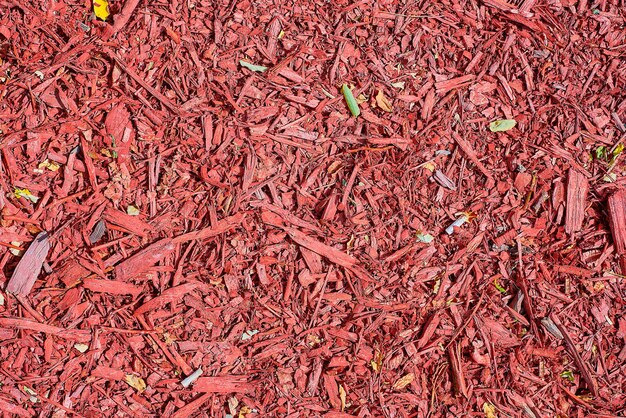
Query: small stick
pixel 319 301
pixel 585 371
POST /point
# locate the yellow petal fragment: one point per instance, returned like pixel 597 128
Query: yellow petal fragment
pixel 101 9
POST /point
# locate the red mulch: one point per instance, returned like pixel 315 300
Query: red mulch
pixel 185 235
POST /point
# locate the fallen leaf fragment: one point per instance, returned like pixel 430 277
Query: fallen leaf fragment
pixel 245 410
pixel 25 193
pixel 342 396
pixel 50 165
pixel 425 238
pixel 135 382
pixel 489 410
pixel 253 67
pixel 377 361
pixel 502 125
pixel 383 102
pixel 132 210
pixel 101 9
pixel 403 382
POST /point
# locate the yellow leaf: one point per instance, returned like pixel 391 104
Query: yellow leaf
pixel 101 9
pixel 25 193
pixel 403 382
pixel 245 410
pixel 383 102
pixel 489 410
pixel 342 396
pixel 135 382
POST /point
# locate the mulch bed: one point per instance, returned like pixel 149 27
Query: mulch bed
pixel 312 209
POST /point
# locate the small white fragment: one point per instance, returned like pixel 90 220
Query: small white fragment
pixel 132 210
pixel 39 74
pixel 1 299
pixel 425 238
pixel 249 334
pixel 33 395
pixel 81 347
pixel 16 251
pixel 459 222
pixel 186 382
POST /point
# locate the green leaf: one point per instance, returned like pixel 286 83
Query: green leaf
pixel 601 153
pixel 253 67
pixel 567 374
pixel 350 100
pixel 502 125
pixel 499 286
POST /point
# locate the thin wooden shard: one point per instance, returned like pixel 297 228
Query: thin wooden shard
pixel 331 253
pixel 30 265
pixel 144 260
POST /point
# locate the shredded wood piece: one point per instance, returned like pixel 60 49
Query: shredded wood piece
pixel 577 188
pixel 30 265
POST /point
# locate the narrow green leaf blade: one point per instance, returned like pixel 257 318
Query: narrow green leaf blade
pixel 502 125
pixel 253 67
pixel 350 100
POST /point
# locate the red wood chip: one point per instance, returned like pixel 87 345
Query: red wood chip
pixel 223 384
pixel 144 260
pixel 617 217
pixel 577 188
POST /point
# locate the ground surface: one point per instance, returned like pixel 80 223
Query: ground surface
pixel 204 213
